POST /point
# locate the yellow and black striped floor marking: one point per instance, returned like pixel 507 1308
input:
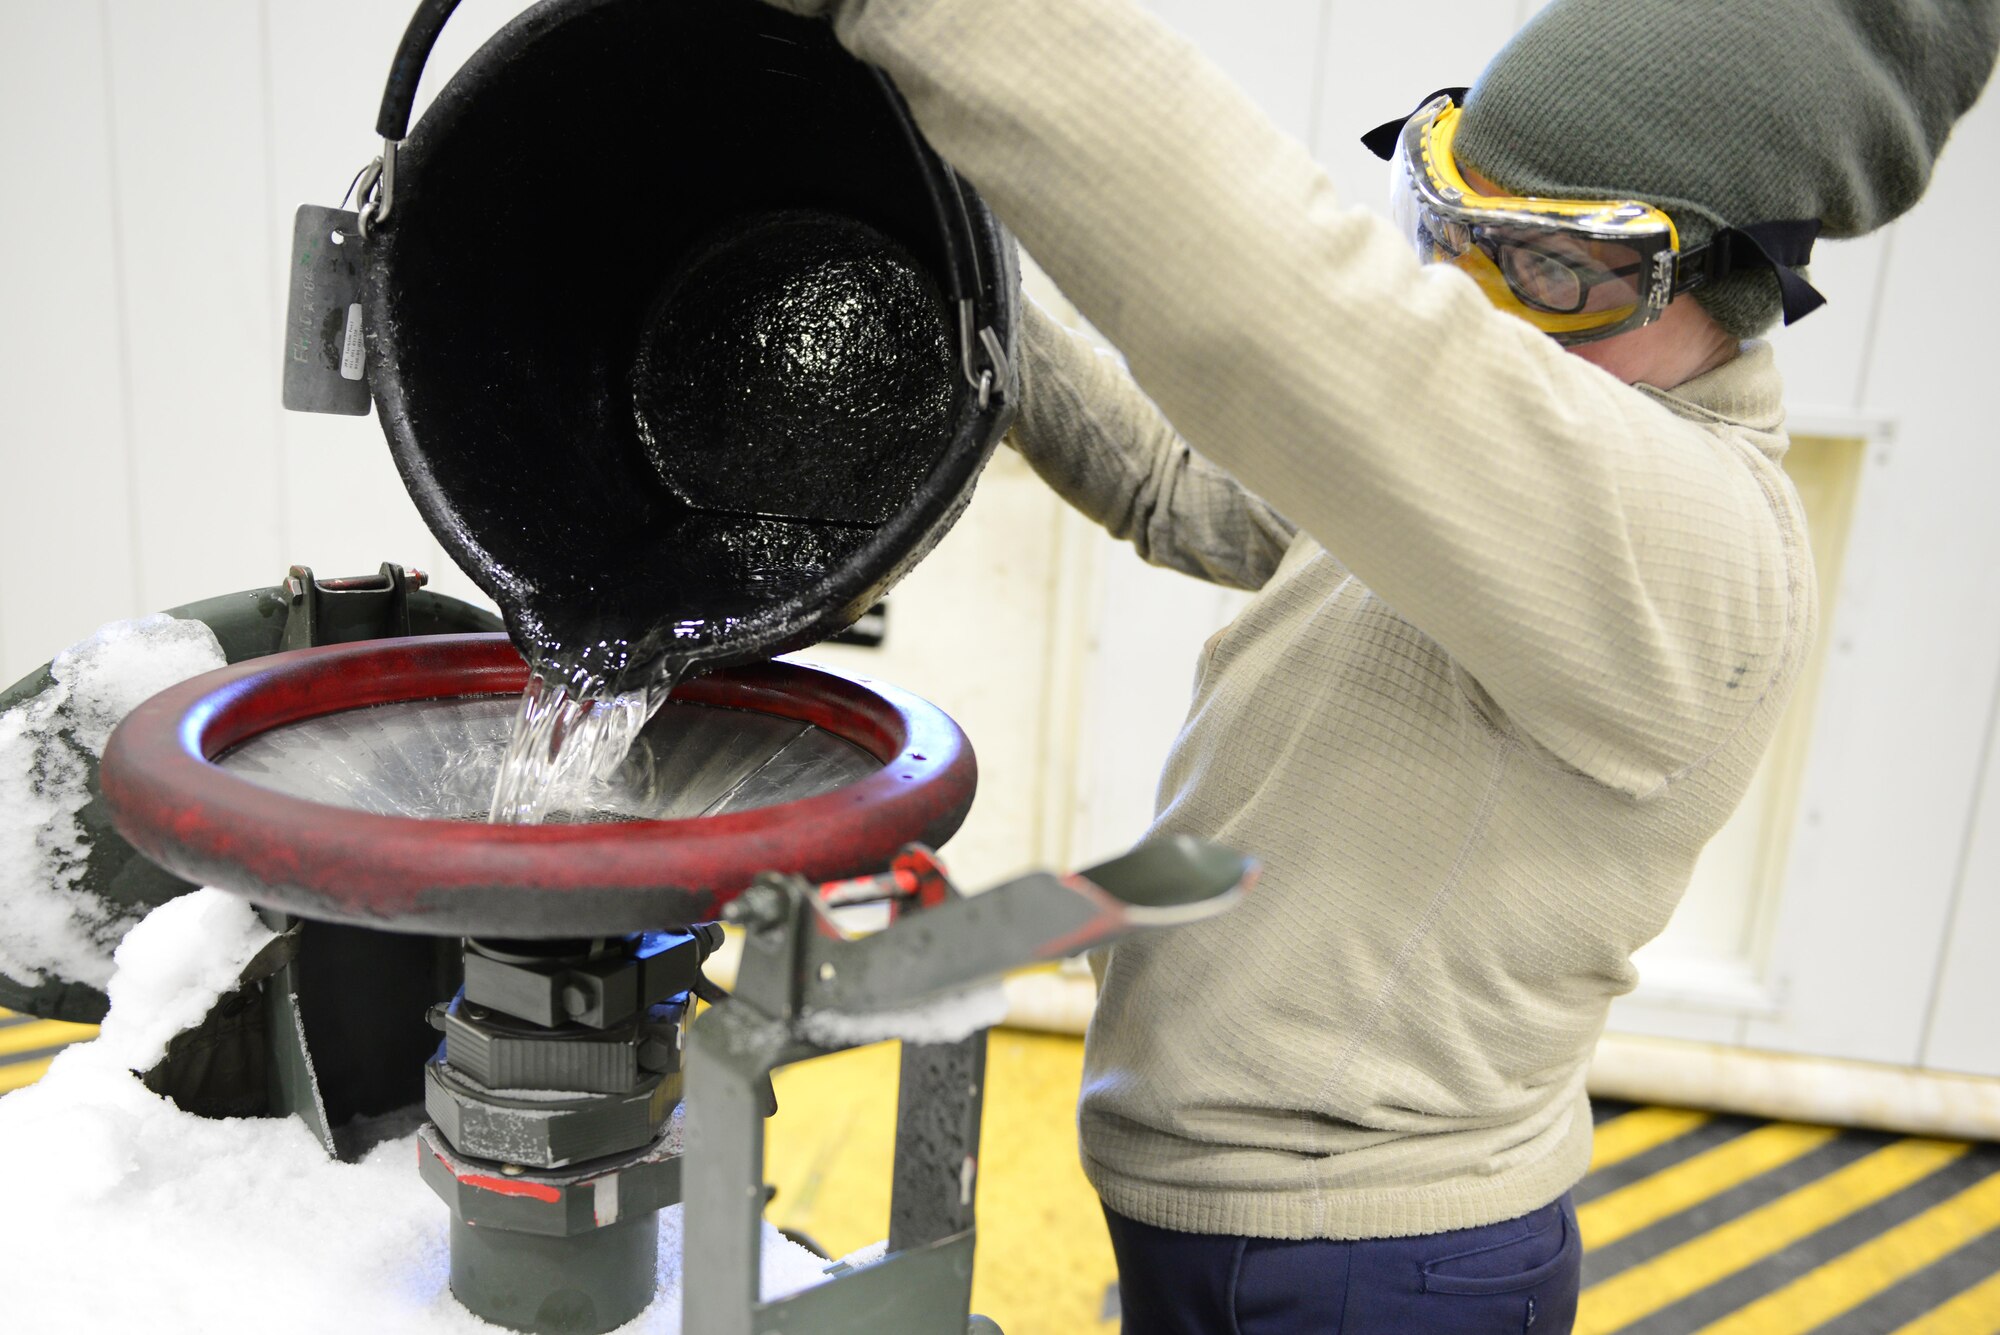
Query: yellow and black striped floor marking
pixel 28 1045
pixel 1708 1225
pixel 1693 1223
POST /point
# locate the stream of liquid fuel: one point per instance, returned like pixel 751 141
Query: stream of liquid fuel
pixel 566 746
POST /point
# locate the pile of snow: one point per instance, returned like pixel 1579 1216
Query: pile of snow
pixel 171 968
pixel 50 927
pixel 947 1018
pixel 122 1213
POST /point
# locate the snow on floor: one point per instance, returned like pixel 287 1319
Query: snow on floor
pixel 120 1213
pixel 49 925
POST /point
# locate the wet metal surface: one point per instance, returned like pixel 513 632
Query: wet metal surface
pixel 798 368
pixel 437 760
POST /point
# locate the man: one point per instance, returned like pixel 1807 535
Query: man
pixel 1533 586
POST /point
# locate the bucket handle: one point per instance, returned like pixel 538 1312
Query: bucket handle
pixel 977 342
pixel 399 97
pixel 981 353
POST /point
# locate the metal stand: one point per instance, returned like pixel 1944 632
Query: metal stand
pixel 923 1285
pixel 551 1137
pixel 551 1096
pixel 590 1281
pixel 799 969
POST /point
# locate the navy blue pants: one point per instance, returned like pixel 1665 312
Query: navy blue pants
pixel 1510 1278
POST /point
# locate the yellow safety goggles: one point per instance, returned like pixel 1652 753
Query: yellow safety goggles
pixel 1578 270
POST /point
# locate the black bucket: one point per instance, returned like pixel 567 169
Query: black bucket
pixel 685 342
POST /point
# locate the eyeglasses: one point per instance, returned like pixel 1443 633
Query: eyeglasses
pixel 1558 274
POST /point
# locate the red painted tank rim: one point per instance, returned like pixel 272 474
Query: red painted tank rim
pixel 198 820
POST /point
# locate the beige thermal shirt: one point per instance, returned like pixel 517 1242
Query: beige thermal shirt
pixel 1521 634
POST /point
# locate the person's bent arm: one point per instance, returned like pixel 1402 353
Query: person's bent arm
pixel 1617 578
pixel 1105 448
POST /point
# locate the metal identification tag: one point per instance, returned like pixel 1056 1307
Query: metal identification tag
pixel 326 358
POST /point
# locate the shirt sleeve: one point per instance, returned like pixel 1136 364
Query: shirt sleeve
pixel 1618 579
pixel 1094 436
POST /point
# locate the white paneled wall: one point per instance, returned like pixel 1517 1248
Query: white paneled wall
pixel 154 156
pixel 1962 1032
pixel 199 273
pixel 1907 707
pixel 67 551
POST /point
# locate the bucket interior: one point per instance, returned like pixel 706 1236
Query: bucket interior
pixel 664 302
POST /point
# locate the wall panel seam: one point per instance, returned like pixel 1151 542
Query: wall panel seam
pixel 1316 103
pixel 120 278
pixel 1876 301
pixel 1941 966
pixel 277 272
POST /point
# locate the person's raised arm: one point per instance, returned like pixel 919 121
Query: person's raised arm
pixel 1615 577
pixel 1104 447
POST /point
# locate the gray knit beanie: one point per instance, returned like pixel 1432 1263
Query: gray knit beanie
pixel 1730 113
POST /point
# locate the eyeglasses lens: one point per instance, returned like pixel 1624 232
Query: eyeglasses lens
pixel 1542 280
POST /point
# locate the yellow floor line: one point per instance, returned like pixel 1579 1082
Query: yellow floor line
pixel 1044 1262
pixel 1973 1312
pixel 1624 1212
pixel 20 1074
pixel 1847 1281
pixel 1633 1133
pixel 42 1034
pixel 830 1148
pixel 1631 1295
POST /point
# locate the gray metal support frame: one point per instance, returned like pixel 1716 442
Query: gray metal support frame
pixel 731 1051
pixel 796 961
pixel 294 1087
pixel 938 1107
pixel 923 1286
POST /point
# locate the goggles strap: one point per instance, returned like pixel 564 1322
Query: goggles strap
pixel 1381 141
pixel 1781 247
